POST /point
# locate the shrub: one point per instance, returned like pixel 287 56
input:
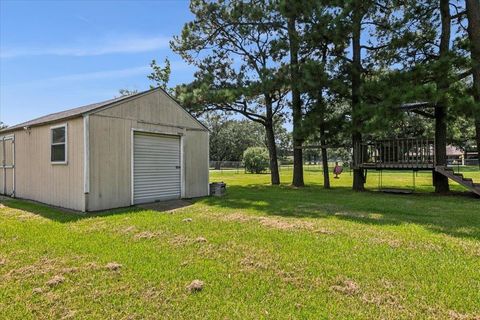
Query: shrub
pixel 255 159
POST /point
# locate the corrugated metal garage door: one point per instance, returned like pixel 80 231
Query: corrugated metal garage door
pixel 156 167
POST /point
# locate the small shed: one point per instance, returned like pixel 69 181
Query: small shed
pixel 116 153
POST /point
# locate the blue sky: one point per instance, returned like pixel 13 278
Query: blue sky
pixel 56 55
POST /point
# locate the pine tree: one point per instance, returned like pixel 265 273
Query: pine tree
pixel 473 14
pixel 233 45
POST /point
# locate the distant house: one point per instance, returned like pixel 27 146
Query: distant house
pixel 129 150
pixel 456 155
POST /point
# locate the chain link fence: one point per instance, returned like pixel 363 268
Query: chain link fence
pixel 283 165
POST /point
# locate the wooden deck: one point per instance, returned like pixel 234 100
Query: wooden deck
pixel 406 154
pixel 397 154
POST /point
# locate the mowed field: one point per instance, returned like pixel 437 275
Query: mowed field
pixel 262 252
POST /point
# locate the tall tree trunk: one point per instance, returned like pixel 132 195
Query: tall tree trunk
pixel 326 177
pixel 271 145
pixel 296 105
pixel 323 140
pixel 473 15
pixel 477 129
pixel 439 180
pixel 272 153
pixel 358 176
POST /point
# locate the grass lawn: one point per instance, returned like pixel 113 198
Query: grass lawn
pixel 262 252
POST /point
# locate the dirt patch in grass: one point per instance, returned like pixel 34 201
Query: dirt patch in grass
pixel 146 235
pixel 200 240
pixel 252 263
pixel 43 266
pixel 55 281
pixel 69 314
pixel 347 287
pixel 37 290
pixel 91 266
pixel 129 229
pixel 180 240
pixel 470 248
pixel 428 246
pixel 284 224
pixel 293 278
pixel 382 299
pixel 394 243
pixel 113 266
pixel 69 270
pixel 195 286
pixel 53 272
pixel 238 217
pixel 324 231
pixel 270 222
pixel 454 315
pixel 154 294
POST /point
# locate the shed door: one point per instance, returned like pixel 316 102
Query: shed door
pixel 156 167
pixel 7 169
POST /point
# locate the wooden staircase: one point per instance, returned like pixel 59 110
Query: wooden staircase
pixel 459 178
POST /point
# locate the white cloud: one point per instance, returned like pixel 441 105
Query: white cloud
pixel 177 66
pixel 117 73
pixel 106 74
pixel 115 45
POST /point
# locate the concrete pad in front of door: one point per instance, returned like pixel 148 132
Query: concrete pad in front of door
pixel 165 206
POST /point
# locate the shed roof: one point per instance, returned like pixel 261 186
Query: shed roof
pixel 70 113
pixel 76 112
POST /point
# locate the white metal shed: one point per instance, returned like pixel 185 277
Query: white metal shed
pixel 129 150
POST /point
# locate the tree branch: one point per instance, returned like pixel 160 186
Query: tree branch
pixel 374 48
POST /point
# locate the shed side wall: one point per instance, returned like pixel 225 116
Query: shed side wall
pixel 36 178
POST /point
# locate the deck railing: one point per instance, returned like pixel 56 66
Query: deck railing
pixel 397 153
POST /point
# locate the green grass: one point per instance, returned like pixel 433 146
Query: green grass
pixel 271 252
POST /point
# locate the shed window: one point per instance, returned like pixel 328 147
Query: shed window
pixel 59 144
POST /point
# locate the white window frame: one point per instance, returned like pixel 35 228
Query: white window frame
pixel 63 125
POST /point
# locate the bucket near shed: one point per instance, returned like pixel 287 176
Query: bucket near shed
pixel 218 189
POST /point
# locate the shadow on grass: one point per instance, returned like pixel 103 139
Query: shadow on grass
pixel 60 214
pixel 457 215
pixel 65 215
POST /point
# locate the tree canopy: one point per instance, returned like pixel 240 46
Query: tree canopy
pixel 339 72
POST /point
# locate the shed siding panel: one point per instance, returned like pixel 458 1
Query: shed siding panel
pixel 36 178
pixel 196 163
pixel 109 163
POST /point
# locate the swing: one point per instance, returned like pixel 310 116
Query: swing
pixel 396 190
